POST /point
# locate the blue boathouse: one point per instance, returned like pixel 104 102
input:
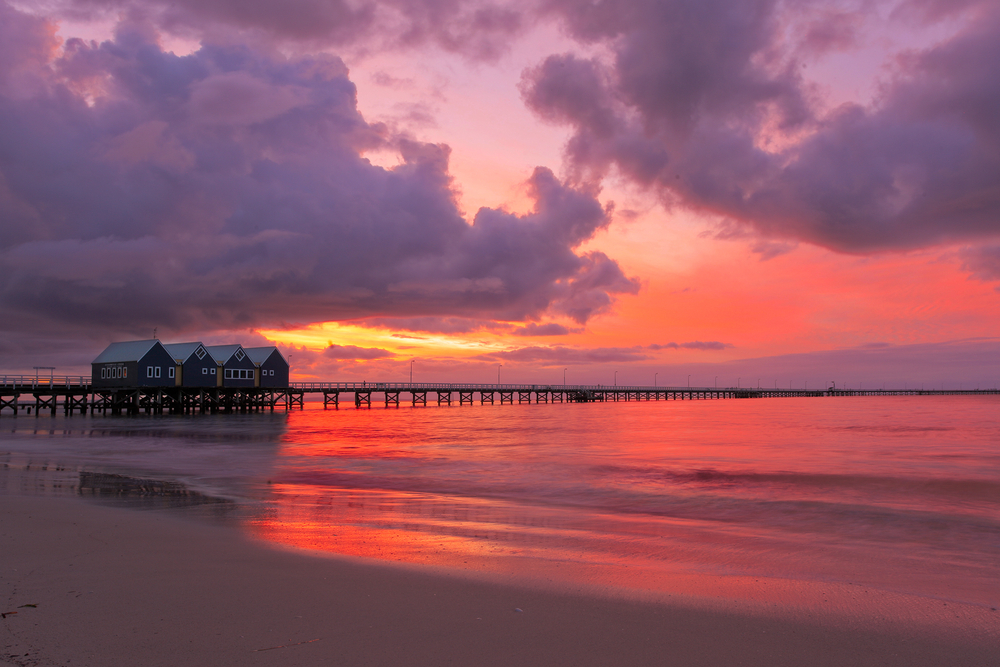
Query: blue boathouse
pixel 137 363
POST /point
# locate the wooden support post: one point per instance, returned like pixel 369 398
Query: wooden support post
pixel 483 397
pixel 391 398
pixel 465 397
pixel 419 397
pixel 9 402
pixel 506 396
pixel 362 398
pixel 444 397
pixel 331 398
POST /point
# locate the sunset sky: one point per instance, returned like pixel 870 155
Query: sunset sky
pixel 636 191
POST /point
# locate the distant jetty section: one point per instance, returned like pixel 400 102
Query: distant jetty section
pixel 71 395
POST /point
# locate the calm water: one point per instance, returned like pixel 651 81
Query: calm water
pixel 897 493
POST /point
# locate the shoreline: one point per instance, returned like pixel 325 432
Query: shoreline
pixel 116 586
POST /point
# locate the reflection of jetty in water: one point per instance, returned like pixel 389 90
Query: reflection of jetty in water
pixel 134 492
pixel 138 492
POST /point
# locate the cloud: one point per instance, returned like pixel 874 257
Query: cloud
pixel 477 29
pixel 959 363
pixel 559 355
pixel 983 262
pixel 693 345
pixel 444 325
pixel 706 107
pixel 548 329
pixel 227 189
pixel 355 352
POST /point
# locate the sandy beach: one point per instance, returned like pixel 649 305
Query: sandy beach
pixel 103 586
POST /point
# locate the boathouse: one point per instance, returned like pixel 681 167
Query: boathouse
pixel 272 368
pixel 195 366
pixel 235 367
pixel 137 363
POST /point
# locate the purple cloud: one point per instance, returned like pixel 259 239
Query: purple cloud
pixel 225 189
pixel 695 91
pixel 693 345
pixel 983 262
pixel 548 329
pixel 480 30
pixel 559 355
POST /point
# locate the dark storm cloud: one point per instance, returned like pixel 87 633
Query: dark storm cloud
pixel 226 189
pixel 703 102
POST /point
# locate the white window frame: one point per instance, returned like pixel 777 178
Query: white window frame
pixel 213 371
pixel 204 371
pixel 156 371
pixel 170 372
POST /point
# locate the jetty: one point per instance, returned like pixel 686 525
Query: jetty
pixel 71 395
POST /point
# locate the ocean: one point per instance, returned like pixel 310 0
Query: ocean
pixel 899 494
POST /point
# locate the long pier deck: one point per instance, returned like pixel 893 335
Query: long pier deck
pixel 76 394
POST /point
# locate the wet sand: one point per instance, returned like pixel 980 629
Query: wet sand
pixel 116 586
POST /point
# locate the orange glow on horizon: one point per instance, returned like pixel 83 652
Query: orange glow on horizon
pixel 807 300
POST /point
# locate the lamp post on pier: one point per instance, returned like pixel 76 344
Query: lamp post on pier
pixel 716 381
pixel 616 378
pixel 411 370
pixel 654 378
pixel 564 376
pixel 689 381
pixel 498 373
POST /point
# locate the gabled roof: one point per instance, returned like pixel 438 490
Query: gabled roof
pixel 222 353
pixel 132 350
pixel 182 351
pixel 259 355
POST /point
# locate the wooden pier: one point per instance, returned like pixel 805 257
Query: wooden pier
pixel 363 394
pixel 71 395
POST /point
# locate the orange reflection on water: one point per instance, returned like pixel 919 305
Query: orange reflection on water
pixel 385 525
pixel 699 497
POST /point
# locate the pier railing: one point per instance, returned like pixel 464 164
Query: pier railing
pixel 34 383
pixel 466 386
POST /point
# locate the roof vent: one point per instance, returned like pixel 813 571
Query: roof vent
pixel 200 353
pixel 240 355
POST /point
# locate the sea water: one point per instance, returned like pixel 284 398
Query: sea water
pixel 895 493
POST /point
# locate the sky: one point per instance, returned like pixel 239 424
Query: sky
pixel 756 192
